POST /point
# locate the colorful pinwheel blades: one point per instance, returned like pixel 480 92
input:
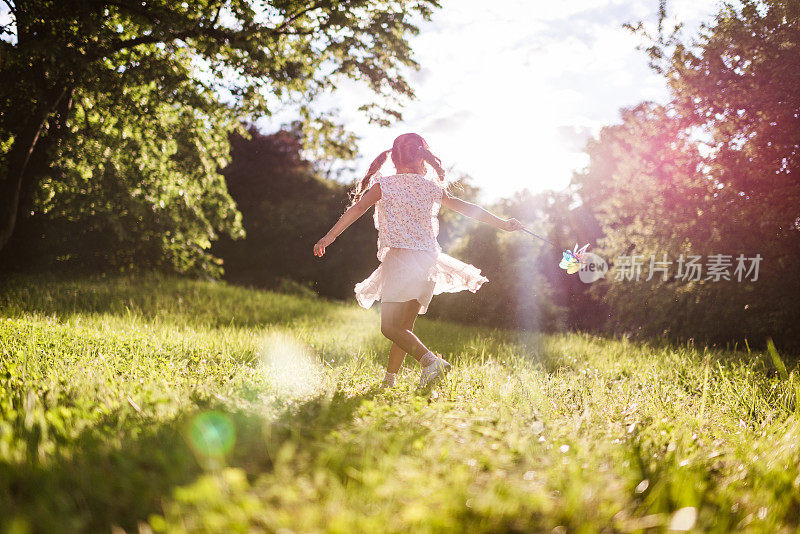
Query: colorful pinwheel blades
pixel 573 260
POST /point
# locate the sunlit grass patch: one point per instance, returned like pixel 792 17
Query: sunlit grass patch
pixel 195 405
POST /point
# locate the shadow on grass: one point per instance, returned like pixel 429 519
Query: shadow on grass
pixel 119 473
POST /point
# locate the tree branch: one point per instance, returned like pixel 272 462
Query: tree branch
pixel 219 34
pixel 214 33
pixel 300 13
pixel 152 14
pixel 216 15
pixel 12 7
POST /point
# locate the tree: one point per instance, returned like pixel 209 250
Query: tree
pixel 739 83
pixel 135 189
pixel 227 59
pixel 734 95
pixel 645 186
pixel 286 207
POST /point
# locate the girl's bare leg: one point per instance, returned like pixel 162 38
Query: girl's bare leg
pixel 393 328
pixel 409 315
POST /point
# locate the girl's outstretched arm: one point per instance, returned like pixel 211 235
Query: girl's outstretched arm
pixel 350 216
pixel 476 212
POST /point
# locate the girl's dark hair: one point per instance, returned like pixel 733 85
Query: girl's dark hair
pixel 407 150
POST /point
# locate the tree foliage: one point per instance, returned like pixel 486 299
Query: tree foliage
pixel 210 64
pixel 139 188
pixel 656 193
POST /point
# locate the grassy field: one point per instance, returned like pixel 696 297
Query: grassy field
pixel 166 405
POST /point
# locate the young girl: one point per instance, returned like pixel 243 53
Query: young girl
pixel 413 267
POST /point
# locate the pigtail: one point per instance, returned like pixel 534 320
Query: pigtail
pixel 363 185
pixel 433 161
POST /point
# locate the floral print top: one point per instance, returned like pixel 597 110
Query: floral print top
pixel 407 214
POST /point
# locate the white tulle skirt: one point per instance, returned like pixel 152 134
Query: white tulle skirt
pixel 406 274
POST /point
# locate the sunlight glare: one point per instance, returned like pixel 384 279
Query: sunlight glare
pixel 289 366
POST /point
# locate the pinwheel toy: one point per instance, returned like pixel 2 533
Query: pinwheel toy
pixel 571 260
pixel 574 259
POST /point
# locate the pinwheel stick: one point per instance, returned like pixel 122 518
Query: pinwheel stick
pixel 572 260
pixel 540 237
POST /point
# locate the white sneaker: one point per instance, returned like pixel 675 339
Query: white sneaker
pixel 434 371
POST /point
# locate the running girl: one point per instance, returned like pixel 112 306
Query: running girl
pixel 413 267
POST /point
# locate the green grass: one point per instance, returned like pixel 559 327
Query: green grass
pixel 171 405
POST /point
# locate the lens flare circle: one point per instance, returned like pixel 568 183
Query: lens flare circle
pixel 212 434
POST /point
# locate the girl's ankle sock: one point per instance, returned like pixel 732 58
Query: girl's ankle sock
pixel 389 378
pixel 427 359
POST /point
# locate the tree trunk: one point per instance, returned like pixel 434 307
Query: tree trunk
pixel 17 162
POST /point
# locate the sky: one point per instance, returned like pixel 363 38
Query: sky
pixel 509 91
